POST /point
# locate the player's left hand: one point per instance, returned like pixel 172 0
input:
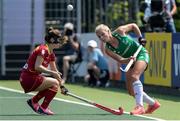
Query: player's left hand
pixel 64 90
pixel 132 58
pixel 60 73
pixel 142 41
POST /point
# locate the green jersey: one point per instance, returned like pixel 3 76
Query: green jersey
pixel 127 47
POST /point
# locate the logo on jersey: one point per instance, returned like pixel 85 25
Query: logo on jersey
pixel 43 52
pixel 25 66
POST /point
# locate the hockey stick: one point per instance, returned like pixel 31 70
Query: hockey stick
pixel 131 61
pixel 115 112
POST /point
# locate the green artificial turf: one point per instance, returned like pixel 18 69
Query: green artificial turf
pixel 113 97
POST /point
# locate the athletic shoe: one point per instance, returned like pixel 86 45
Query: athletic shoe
pixel 33 105
pixel 152 108
pixel 138 110
pixel 46 111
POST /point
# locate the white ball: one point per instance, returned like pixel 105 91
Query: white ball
pixel 69 7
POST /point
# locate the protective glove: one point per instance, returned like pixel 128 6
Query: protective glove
pixel 142 41
pixel 64 90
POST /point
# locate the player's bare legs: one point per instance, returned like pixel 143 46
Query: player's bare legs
pixel 48 90
pixel 135 88
pixel 47 83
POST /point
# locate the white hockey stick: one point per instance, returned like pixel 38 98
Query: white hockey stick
pixel 131 61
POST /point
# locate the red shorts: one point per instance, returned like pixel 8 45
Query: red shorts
pixel 30 82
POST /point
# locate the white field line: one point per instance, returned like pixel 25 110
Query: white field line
pixel 13 97
pixel 68 101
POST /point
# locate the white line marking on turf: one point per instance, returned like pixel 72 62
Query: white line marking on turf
pixel 68 101
pixel 13 97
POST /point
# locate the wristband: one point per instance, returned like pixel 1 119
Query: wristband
pixel 139 39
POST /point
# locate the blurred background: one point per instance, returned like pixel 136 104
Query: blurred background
pixel 23 24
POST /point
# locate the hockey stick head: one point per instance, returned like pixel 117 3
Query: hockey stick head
pixel 120 111
pixel 123 69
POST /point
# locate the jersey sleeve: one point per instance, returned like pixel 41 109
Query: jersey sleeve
pixel 52 57
pixel 42 52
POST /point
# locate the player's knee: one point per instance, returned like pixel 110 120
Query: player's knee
pixel 55 88
pixel 56 83
pixel 134 77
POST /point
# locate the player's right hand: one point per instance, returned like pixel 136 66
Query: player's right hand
pixel 132 58
pixel 64 90
pixel 56 75
pixel 142 41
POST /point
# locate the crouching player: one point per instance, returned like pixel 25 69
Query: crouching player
pixel 31 78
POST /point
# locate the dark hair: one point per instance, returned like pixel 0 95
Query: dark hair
pixel 53 35
pixel 68 32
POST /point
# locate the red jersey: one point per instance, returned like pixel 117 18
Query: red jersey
pixel 42 51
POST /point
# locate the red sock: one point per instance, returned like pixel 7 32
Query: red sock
pixel 49 95
pixel 39 95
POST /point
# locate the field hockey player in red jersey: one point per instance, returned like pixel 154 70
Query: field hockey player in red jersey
pixel 42 60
